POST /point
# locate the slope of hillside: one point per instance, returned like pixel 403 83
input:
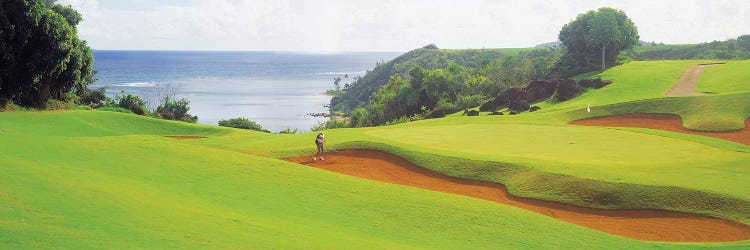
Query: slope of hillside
pixel 143 190
pixel 80 179
pixel 428 57
pixel 541 145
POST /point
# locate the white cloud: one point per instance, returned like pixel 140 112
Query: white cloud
pixel 341 25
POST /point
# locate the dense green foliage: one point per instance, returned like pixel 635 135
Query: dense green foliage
pixel 358 94
pixel 440 82
pixel 41 56
pixel 430 82
pixel 134 103
pixel 738 48
pixel 172 109
pixel 597 37
pixel 95 98
pixel 242 123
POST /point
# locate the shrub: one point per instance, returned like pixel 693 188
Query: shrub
pixel 95 98
pixel 331 124
pixel 470 101
pixel 289 131
pixel 442 108
pixel 360 117
pixel 53 104
pixel 405 119
pixel 132 102
pixel 13 107
pixel 172 109
pixel 242 123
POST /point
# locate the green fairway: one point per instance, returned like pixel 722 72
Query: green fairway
pixel 731 77
pixel 633 81
pixel 140 190
pixel 95 179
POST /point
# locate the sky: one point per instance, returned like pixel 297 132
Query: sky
pixel 332 26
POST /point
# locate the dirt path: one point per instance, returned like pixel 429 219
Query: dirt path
pixel 689 81
pixel 649 225
pixel 667 122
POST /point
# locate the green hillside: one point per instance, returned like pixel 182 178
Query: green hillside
pixel 95 179
pixel 732 77
pixel 738 48
pixel 429 57
pixel 142 190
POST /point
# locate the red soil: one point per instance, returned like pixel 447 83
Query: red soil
pixel 667 122
pixel 185 137
pixel 651 225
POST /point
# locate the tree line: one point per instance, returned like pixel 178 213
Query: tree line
pixel 44 64
pixel 429 82
pixel 41 55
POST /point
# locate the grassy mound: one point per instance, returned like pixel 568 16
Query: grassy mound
pixel 96 123
pixel 78 179
pixel 140 189
pixel 708 113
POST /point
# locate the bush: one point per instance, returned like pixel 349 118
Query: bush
pixel 53 104
pixel 242 123
pixel 95 98
pixel 289 131
pixel 360 117
pixel 331 124
pixel 470 101
pixel 131 102
pixel 442 108
pixel 405 119
pixel 172 109
pixel 12 107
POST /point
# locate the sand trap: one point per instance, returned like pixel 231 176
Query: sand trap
pixel 648 225
pixel 689 80
pixel 664 122
pixel 185 137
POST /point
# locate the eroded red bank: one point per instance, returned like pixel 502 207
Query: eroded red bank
pixel 648 225
pixel 667 122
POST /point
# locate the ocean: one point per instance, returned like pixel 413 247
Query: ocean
pixel 276 89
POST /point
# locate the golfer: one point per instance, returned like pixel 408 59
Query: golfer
pixel 320 141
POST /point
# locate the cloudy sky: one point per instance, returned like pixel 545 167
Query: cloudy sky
pixel 384 25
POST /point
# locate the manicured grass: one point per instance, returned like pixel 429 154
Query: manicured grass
pixel 148 191
pixel 721 112
pixel 101 123
pixel 731 77
pixel 633 81
pixel 96 179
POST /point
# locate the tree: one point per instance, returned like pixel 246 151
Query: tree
pixel 41 56
pixel 172 109
pixel 604 32
pixel 337 83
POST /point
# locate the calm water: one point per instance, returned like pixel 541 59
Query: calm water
pixel 275 89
